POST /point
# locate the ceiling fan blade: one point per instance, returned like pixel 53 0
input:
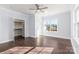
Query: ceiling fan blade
pixel 37 6
pixel 32 9
pixel 43 8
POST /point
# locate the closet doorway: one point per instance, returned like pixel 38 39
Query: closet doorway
pixel 19 29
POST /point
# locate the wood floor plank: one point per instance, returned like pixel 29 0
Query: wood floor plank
pixel 36 50
pixel 41 50
pixel 47 50
pixel 17 50
pixel 60 45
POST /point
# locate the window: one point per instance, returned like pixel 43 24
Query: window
pixel 50 24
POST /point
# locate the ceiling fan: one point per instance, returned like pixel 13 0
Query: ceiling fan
pixel 38 8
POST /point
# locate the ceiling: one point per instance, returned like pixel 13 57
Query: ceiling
pixel 24 8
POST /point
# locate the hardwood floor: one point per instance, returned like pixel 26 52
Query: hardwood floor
pixel 61 46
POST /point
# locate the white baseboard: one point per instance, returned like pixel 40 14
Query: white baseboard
pixel 58 37
pixel 51 36
pixel 5 41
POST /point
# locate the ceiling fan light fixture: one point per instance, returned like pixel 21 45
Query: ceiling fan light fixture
pixel 38 9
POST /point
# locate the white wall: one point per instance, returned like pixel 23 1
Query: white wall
pixel 57 11
pixel 6 33
pixel 7 18
pixel 31 26
pixel 38 25
pixel 64 25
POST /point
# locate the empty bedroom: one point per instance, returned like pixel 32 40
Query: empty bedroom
pixel 36 29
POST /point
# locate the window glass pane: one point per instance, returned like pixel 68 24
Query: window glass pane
pixel 50 24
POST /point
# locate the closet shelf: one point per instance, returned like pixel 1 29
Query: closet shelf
pixel 18 28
